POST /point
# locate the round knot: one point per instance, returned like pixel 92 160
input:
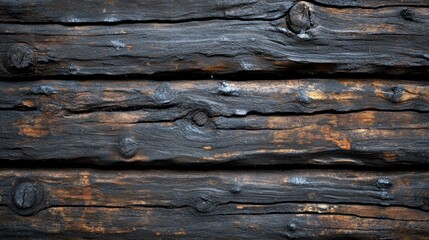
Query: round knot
pixel 19 57
pixel 200 118
pixel 396 94
pixel 299 18
pixel 292 227
pixel 204 204
pixel 164 95
pixel 128 147
pixel 27 197
pixel 408 14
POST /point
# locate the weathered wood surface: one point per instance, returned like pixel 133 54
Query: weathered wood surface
pixel 97 11
pixel 152 10
pixel 216 97
pixel 306 39
pixel 304 204
pixel 369 123
pixel 135 125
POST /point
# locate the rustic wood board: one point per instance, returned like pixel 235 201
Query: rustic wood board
pixel 99 11
pixel 162 204
pixel 313 121
pixel 325 38
pixel 88 153
pixel 216 97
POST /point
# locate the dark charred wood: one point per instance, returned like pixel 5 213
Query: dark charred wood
pixel 100 11
pixel 215 97
pixel 192 122
pixel 303 204
pixel 295 136
pixel 307 39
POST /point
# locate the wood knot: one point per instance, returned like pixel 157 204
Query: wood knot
pixel 384 183
pixel 204 204
pixel 291 227
pixel 226 89
pixel 43 90
pixel 19 57
pixel 200 118
pixel 299 18
pixel 127 147
pixel 163 94
pixel 408 14
pixel 236 189
pixel 303 97
pixel 396 94
pixel 27 196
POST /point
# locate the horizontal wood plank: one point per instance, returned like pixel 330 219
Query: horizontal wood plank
pixel 98 11
pixel 313 121
pixel 310 39
pixel 192 136
pixel 215 97
pixel 133 10
pixel 301 204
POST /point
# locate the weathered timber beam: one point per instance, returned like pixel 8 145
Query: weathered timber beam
pixel 215 97
pixel 312 121
pixel 133 10
pixel 301 204
pixel 309 39
pixel 368 138
pixel 99 11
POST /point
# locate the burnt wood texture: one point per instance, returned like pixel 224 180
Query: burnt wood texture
pixel 216 37
pixel 312 121
pixel 298 204
pixel 238 119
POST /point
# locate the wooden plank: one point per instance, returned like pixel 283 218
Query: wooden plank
pixel 370 4
pixel 313 121
pixel 154 223
pixel 98 11
pixel 303 204
pixel 369 138
pixel 215 97
pixel 133 10
pixel 310 39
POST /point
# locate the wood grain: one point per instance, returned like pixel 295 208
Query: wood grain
pixel 99 11
pixel 152 10
pixel 214 159
pixel 215 97
pixel 219 204
pixel 312 121
pixel 318 39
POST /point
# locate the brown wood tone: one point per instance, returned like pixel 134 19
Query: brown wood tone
pixel 330 37
pixel 304 204
pixel 314 121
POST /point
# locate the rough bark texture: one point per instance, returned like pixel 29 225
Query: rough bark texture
pixel 219 204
